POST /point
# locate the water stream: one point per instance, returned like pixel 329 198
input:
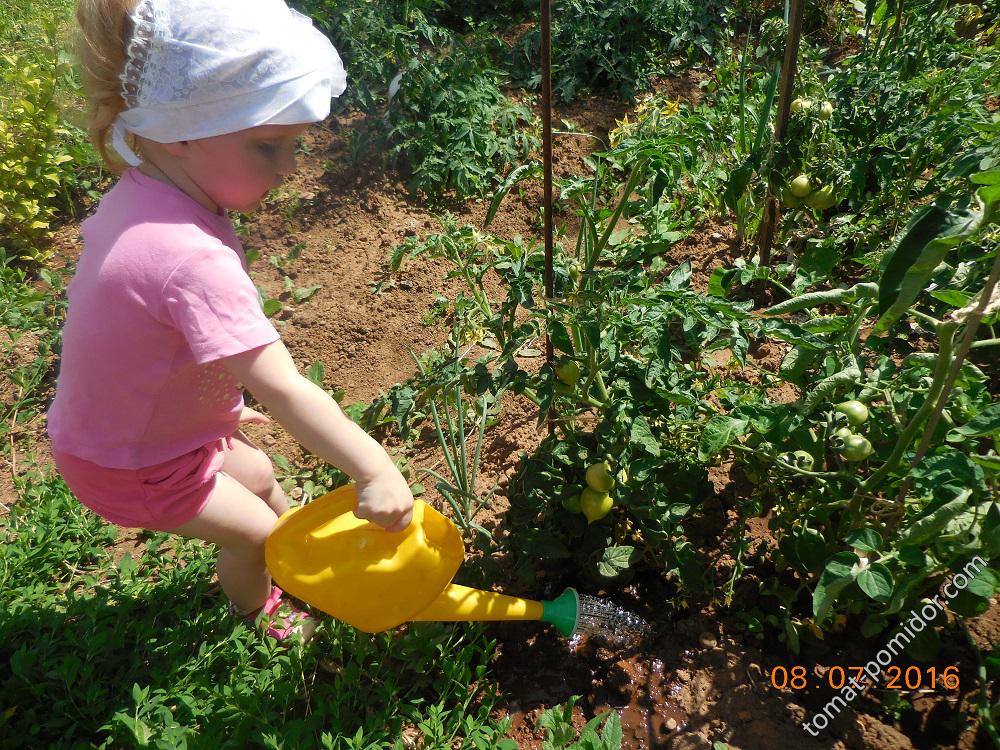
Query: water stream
pixel 609 622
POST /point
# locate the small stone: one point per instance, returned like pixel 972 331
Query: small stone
pixel 716 235
pixel 708 640
pixel 690 742
pixel 412 737
pixel 670 724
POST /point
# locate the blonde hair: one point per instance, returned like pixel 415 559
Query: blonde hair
pixel 105 30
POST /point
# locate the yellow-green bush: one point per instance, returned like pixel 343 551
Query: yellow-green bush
pixel 32 148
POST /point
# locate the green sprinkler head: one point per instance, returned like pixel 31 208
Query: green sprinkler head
pixel 563 612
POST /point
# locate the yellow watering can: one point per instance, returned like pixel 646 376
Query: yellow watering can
pixel 375 580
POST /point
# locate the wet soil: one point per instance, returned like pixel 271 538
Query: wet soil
pixel 698 677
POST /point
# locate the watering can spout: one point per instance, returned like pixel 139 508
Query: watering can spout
pixel 461 603
pixel 375 580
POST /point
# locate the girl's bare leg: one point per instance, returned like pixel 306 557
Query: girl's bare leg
pixel 250 466
pixel 238 521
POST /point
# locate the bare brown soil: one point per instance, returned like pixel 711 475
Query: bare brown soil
pixel 699 678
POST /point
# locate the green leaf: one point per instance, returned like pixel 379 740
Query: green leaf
pixel 719 281
pixel 792 636
pixel 810 549
pixel 952 297
pixel 764 117
pixel 914 255
pixel 867 540
pixel 838 575
pixel 796 361
pixel 641 435
pixel 818 260
pixel 967 604
pixel 615 560
pixel 528 171
pixel 985 584
pixel 986 422
pixel 876 581
pixel 989 537
pixel 316 373
pixel 736 186
pixel 905 587
pixel 991 177
pixel 913 556
pixel 945 473
pixel 993 663
pixel 127 565
pixel 305 292
pixel 560 337
pixel 873 625
pixel 719 432
pixel 827 389
pixel 987 462
pixel 611 736
pixel 923 529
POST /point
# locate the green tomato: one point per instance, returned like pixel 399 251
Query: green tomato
pixel 599 477
pixel 825 111
pixel 572 503
pixel 855 448
pixel 568 371
pixel 822 198
pixel 574 270
pixel 855 411
pixel 842 433
pixel 800 105
pixel 563 389
pixel 788 200
pixel 800 186
pixel 595 505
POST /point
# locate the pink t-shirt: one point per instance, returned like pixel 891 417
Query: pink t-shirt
pixel 160 293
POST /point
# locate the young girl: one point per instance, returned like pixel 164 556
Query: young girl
pixel 205 100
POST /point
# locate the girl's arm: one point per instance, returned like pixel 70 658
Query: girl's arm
pixel 318 423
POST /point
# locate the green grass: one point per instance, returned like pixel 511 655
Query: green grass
pixel 141 653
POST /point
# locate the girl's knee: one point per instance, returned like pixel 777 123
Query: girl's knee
pixel 255 472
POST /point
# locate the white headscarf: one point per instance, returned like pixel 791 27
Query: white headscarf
pixel 201 68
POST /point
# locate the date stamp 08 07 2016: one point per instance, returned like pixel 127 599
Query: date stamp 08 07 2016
pixel 836 677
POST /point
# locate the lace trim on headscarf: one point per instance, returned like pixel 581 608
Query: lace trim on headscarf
pixel 144 23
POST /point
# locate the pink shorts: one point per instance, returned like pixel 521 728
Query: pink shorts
pixel 159 497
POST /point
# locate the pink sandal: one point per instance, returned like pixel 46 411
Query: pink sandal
pixel 282 625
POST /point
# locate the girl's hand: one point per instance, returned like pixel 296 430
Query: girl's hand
pixel 386 500
pixel 253 416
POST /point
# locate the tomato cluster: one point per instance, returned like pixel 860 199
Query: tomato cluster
pixel 805 188
pixel 594 500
